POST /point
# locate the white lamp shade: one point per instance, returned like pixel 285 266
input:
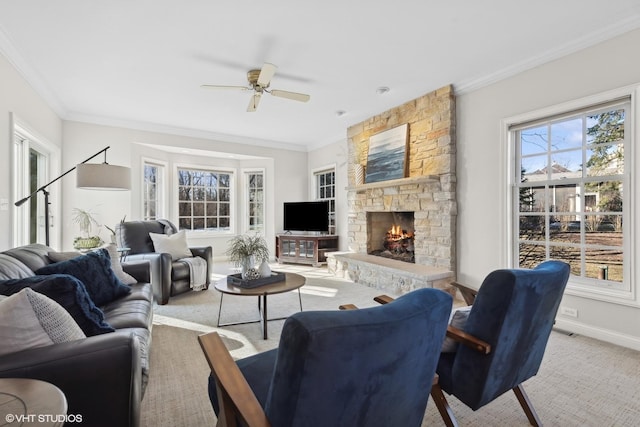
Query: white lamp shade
pixel 102 176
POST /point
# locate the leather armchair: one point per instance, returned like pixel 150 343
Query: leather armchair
pixel 168 277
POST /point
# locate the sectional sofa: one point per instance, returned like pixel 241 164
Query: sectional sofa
pixel 103 373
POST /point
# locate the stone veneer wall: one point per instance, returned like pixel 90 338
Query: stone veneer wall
pixel 430 188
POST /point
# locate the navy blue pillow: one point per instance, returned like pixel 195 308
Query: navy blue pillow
pixel 94 270
pixel 67 291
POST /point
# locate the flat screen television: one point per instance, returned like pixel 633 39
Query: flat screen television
pixel 306 216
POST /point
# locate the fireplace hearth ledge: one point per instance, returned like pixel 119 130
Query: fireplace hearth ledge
pixel 395 277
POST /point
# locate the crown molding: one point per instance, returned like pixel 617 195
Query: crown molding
pixel 7 48
pixel 619 28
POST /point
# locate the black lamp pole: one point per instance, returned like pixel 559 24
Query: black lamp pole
pixel 46 194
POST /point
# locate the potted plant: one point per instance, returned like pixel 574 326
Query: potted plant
pixel 245 251
pixel 85 221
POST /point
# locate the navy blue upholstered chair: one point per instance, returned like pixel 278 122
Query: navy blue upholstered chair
pixel 506 335
pixel 366 367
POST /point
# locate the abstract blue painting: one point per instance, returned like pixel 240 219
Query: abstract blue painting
pixel 387 155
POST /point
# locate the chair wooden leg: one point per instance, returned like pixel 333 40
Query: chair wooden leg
pixel 443 406
pixel 527 405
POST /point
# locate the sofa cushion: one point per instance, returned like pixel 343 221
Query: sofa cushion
pixel 70 293
pixel 114 257
pixel 29 319
pixel 172 244
pixel 12 268
pixel 94 270
pixel 129 313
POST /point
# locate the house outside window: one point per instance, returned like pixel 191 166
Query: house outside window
pixel 204 199
pixel 153 189
pixel 569 200
pixel 254 190
pixel 326 190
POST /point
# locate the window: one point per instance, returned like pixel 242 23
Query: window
pixel 153 191
pixel 33 158
pixel 204 200
pixel 255 200
pixel 570 199
pixel 326 190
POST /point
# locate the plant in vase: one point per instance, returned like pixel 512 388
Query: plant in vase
pixel 85 221
pixel 245 251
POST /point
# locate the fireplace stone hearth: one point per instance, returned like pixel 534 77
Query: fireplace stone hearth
pixel 429 191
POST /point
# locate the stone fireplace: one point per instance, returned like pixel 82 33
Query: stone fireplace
pixel 391 235
pixel 428 192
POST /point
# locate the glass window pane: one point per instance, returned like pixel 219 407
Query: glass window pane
pixel 606 127
pixel 534 140
pixel 184 209
pixel 566 134
pixel 532 199
pixel 534 168
pixel 605 160
pixel 567 164
pixel 198 223
pixel 604 264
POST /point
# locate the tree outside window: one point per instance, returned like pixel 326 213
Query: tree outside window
pixel 204 200
pixel 570 193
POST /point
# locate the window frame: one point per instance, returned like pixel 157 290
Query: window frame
pixel 232 197
pixel 332 200
pixel 246 191
pixel 161 188
pixel 628 295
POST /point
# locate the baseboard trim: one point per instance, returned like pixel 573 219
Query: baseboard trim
pixel 601 334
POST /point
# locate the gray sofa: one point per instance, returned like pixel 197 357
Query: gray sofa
pixel 103 376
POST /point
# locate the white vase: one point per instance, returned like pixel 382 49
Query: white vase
pixel 264 269
pixel 248 263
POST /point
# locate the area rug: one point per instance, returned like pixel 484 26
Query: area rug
pixel 582 382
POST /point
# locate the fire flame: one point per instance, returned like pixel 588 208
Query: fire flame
pixel 396 233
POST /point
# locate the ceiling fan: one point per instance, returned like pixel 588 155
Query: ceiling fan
pixel 259 81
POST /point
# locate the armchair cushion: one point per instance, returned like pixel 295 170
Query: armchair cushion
pixel 30 320
pixel 173 244
pixel 70 293
pixel 94 270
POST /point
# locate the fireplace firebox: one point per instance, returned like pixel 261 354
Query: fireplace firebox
pixel 391 235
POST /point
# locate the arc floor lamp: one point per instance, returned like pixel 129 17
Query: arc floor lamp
pixel 91 176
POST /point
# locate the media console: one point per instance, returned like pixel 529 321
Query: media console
pixel 305 248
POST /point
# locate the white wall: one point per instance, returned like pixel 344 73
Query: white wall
pixel 481 213
pixel 285 171
pixel 334 155
pixel 18 99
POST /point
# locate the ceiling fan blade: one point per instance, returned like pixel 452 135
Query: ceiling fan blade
pixel 253 102
pixel 224 87
pixel 291 95
pixel 266 74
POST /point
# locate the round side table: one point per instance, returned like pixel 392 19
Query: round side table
pixel 29 402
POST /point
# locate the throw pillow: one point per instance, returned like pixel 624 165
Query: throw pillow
pixel 457 319
pixel 173 244
pixel 124 277
pixel 114 256
pixel 70 293
pixel 94 270
pixel 29 319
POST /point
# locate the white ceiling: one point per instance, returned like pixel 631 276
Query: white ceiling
pixel 140 63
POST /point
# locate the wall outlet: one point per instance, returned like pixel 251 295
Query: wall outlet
pixel 569 311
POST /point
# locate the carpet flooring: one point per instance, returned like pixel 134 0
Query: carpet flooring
pixel 582 382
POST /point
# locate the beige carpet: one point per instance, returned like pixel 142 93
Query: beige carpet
pixel 582 382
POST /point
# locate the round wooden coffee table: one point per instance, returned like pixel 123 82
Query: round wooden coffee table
pixel 29 402
pixel 292 282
